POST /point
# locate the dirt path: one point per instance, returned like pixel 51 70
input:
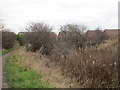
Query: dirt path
pixel 2 72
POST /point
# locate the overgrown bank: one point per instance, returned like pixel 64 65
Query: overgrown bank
pixel 20 75
pixel 79 55
pixel 91 68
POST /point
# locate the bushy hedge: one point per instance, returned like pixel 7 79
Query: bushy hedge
pixel 8 39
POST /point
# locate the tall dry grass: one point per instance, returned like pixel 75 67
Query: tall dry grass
pixel 95 67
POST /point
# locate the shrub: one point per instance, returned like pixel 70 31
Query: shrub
pixel 8 39
pixel 39 38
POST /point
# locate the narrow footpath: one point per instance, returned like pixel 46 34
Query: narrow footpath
pixel 2 73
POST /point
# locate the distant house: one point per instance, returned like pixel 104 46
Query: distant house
pixel 111 33
pixel 61 34
pixel 94 36
pixel 93 33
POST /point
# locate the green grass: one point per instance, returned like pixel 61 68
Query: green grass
pixel 5 51
pixel 17 77
pixel 8 50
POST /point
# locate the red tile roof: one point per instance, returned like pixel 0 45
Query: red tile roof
pixel 92 33
pixel 111 33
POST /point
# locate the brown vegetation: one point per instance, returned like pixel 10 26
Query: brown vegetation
pixel 84 59
pixel 8 39
pixel 93 67
pixel 39 38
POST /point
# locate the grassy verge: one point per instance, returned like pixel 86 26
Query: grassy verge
pixel 8 50
pixel 20 77
pixel 5 51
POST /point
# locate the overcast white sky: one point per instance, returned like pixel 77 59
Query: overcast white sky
pixel 18 13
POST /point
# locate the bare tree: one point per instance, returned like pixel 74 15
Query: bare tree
pixel 39 37
pixel 74 35
pixel 71 38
